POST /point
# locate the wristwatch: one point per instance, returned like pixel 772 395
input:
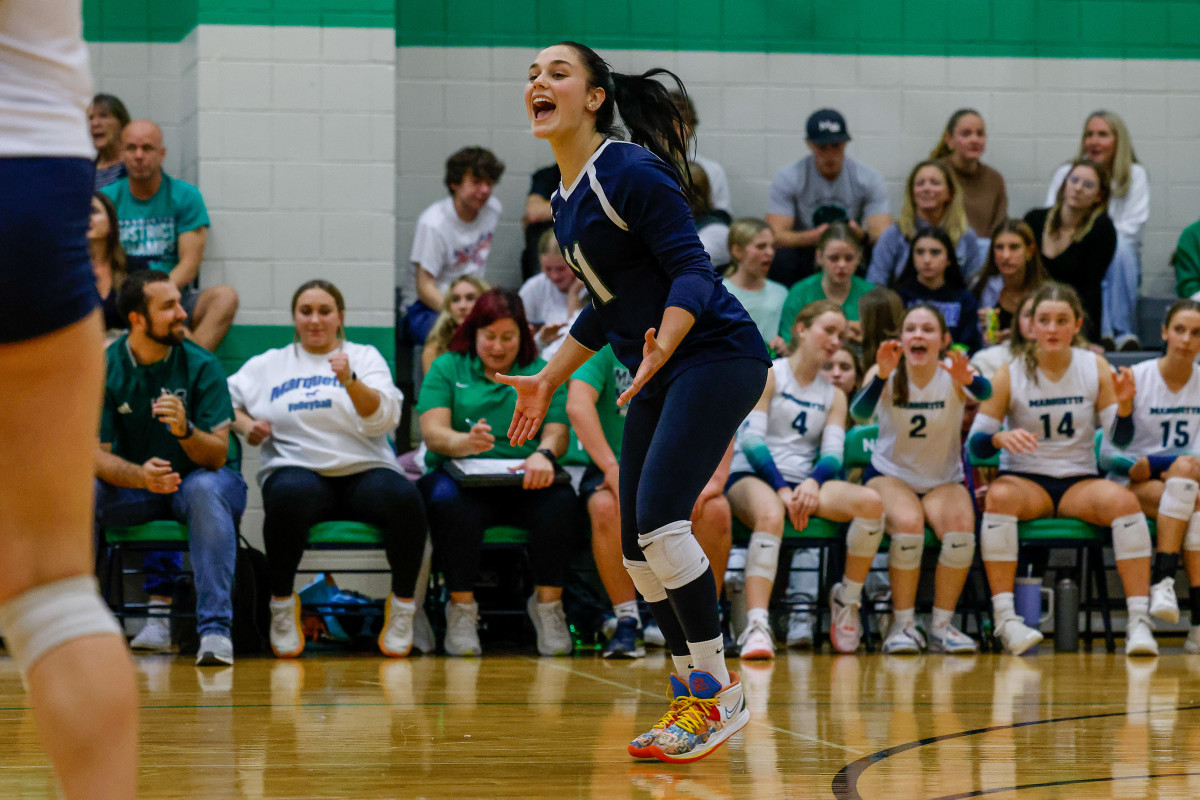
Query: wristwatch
pixel 353 378
pixel 548 453
pixel 191 428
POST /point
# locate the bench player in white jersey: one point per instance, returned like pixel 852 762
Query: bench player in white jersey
pixel 67 646
pixel 1160 464
pixel 1052 398
pixel 788 451
pixel 916 468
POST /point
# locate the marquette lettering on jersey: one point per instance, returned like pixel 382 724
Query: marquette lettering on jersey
pixel 920 442
pixel 1164 422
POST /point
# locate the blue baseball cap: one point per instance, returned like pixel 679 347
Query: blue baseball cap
pixel 827 126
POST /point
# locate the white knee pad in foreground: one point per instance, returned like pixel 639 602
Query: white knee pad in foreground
pixel 863 537
pixel 44 617
pixel 998 537
pixel 1131 537
pixel 906 549
pixel 762 555
pixel 958 549
pixel 1191 540
pixel 674 554
pixel 645 581
pixel 1178 498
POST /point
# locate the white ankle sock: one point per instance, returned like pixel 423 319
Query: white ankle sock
pixel 851 592
pixel 753 614
pixel 904 619
pixel 683 667
pixel 710 657
pixel 1002 605
pixel 940 618
pixel 1138 605
pixel 630 609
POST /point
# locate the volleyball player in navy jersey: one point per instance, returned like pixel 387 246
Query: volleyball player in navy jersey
pixel 64 641
pixel 698 361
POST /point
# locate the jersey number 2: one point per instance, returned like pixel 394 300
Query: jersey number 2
pixel 583 269
pixel 918 427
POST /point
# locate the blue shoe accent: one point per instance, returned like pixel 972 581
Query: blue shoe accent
pixel 703 685
pixel 678 687
pixel 626 641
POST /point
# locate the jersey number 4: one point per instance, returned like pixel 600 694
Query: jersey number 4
pixel 579 264
pixel 1066 427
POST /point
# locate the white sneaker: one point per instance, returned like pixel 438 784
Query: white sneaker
pixel 952 641
pixel 904 641
pixel 423 638
pixel 216 650
pixel 396 638
pixel 845 624
pixel 462 636
pixel 800 629
pixel 1016 636
pixel 652 635
pixel 1163 603
pixel 154 637
pixel 285 637
pixel 1192 643
pixel 1139 636
pixel 553 635
pixel 756 642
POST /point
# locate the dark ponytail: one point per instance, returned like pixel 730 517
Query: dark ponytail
pixel 647 109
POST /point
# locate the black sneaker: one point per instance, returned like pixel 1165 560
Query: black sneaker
pixel 626 641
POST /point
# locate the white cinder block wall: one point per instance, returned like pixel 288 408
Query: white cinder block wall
pixel 753 107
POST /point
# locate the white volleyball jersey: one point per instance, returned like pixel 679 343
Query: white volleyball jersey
pixel 45 82
pixel 1062 414
pixel 1164 421
pixel 920 442
pixel 795 423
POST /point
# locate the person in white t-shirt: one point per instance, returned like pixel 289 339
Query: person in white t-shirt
pixel 454 235
pixel 321 409
pixel 553 298
pixel 716 173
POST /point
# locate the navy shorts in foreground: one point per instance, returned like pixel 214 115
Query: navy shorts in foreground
pixel 46 280
pixel 1055 487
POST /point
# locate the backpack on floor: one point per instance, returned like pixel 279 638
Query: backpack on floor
pixel 251 601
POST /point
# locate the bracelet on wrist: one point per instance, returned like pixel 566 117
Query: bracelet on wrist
pixel 549 454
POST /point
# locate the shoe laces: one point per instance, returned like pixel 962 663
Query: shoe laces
pixel 696 715
pixel 757 625
pixel 678 704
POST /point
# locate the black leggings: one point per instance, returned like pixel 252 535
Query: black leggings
pixel 295 499
pixel 460 516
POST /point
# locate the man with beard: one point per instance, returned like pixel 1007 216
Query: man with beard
pixel 164 447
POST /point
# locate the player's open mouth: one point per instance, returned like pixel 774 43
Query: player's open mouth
pixel 919 349
pixel 542 108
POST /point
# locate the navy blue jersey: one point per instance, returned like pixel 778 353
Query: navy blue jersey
pixel 627 232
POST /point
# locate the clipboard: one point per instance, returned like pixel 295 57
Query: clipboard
pixel 484 473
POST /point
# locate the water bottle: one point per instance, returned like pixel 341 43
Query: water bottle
pixel 1066 616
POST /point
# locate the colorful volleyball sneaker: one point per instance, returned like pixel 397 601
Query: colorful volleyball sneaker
pixel 713 714
pixel 679 694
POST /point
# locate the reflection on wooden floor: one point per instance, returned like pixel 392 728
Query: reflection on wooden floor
pixel 512 726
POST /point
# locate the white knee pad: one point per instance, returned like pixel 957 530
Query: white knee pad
pixel 958 549
pixel 762 555
pixel 863 537
pixel 1131 537
pixel 906 549
pixel 674 554
pixel 998 537
pixel 1178 498
pixel 47 616
pixel 1191 540
pixel 645 581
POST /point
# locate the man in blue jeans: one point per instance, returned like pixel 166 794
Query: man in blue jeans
pixel 164 442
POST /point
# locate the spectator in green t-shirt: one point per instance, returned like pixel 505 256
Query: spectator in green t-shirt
pixel 599 423
pixel 460 399
pixel 839 253
pixel 163 219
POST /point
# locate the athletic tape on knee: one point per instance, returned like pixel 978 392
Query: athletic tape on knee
pixel 762 555
pixel 906 550
pixel 958 549
pixel 998 537
pixel 45 617
pixel 1191 540
pixel 645 581
pixel 674 554
pixel 863 537
pixel 1178 498
pixel 1131 537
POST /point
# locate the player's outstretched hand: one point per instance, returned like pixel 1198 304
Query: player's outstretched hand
pixel 959 367
pixel 653 357
pixel 887 357
pixel 1124 385
pixel 533 401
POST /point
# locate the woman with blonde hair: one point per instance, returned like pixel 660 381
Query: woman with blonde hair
pixel 456 304
pixel 1107 142
pixel 751 250
pixel 932 197
pixel 984 194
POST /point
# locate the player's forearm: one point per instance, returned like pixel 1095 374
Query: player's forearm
pixel 676 323
pixel 570 357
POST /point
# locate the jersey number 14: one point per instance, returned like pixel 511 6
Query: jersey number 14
pixel 1066 426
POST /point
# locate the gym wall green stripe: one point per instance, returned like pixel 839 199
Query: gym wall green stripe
pixel 247 341
pixel 1011 28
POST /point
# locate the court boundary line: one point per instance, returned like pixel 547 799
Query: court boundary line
pixel 845 782
pixel 647 693
pixel 1074 782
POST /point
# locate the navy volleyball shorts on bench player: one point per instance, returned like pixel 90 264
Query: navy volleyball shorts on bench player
pixel 46 279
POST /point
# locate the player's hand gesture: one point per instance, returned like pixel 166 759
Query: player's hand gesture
pixel 959 367
pixel 159 477
pixel 1125 388
pixel 1018 440
pixel 805 500
pixel 653 357
pixel 887 357
pixel 339 362
pixel 260 430
pixel 533 401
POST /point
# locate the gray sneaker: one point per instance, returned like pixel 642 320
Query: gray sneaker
pixel 553 636
pixel 154 637
pixel 423 638
pixel 462 636
pixel 216 650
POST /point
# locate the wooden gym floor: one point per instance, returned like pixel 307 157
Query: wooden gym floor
pixel 515 726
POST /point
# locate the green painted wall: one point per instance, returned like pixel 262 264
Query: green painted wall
pixel 1029 28
pixel 245 341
